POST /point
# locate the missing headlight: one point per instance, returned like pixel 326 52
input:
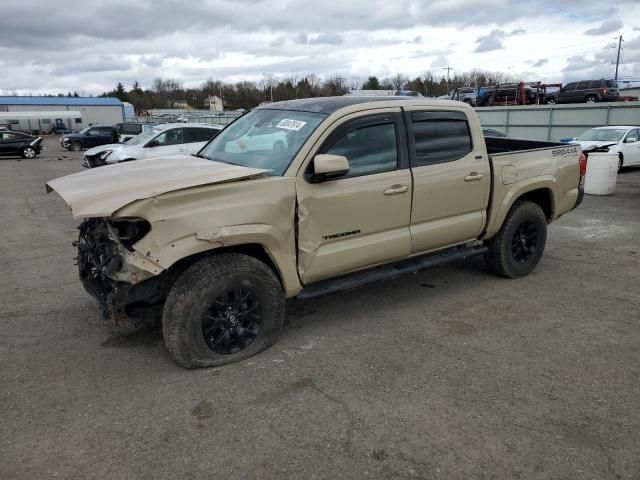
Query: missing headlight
pixel 131 231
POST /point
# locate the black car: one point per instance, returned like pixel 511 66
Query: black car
pixel 16 143
pixel 89 137
pixel 590 91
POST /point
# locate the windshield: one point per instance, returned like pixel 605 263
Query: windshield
pixel 266 139
pixel 602 135
pixel 143 137
pixel 84 130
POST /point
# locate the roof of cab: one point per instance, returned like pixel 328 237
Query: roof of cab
pixel 329 105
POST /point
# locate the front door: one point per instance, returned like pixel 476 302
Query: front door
pixel 168 142
pixel 451 178
pixel 630 147
pixel 362 218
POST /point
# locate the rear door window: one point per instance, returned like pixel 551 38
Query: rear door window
pixel 583 85
pixel 440 137
pixel 195 135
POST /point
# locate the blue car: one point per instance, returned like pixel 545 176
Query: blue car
pixel 89 137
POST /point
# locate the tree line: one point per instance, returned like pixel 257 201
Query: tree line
pixel 170 93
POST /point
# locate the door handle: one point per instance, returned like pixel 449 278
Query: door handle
pixel 473 176
pixel 396 189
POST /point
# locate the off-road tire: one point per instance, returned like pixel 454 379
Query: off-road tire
pixel 501 259
pixel 192 295
pixel 75 146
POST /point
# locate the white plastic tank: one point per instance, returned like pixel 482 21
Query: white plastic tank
pixel 602 174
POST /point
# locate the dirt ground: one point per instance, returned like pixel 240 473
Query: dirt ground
pixel 451 373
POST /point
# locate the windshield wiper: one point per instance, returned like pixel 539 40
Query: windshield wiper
pixel 200 156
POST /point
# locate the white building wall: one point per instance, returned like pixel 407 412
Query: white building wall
pixel 102 115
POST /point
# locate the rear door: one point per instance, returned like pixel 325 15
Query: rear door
pixel 451 178
pixel 360 219
pixel 197 137
pixel 566 93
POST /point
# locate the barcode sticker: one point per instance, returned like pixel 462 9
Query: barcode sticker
pixel 294 125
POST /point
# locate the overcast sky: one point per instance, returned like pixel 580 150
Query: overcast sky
pixel 88 46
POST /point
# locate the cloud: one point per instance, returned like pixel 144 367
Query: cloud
pixel 236 40
pixel 440 61
pixel 327 39
pixel 539 63
pixel 608 26
pixel 493 41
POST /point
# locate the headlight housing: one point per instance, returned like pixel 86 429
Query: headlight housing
pixel 130 230
pixel 65 139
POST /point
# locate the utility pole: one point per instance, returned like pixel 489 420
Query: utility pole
pixel 618 59
pixel 447 68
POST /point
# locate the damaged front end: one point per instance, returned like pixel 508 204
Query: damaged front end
pixel 130 296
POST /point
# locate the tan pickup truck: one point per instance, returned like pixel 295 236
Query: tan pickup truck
pixel 303 198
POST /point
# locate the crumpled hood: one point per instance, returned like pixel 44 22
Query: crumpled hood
pixel 102 148
pixel 101 191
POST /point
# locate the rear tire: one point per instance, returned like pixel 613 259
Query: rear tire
pixel 516 249
pixel 591 99
pixel 223 309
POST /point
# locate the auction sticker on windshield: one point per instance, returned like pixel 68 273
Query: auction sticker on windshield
pixel 291 124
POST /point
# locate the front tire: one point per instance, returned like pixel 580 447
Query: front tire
pixel 29 152
pixel 517 248
pixel 620 162
pixel 75 146
pixel 222 309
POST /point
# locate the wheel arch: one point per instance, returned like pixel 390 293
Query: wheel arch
pixel 540 193
pixel 260 241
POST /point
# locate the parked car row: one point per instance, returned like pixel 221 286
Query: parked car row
pixel 586 91
pixel 161 140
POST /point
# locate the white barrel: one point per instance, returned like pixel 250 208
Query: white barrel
pixel 602 174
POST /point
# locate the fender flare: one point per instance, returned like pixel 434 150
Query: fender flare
pixel 499 212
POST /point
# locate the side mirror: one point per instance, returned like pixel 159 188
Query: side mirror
pixel 328 167
pixel 152 143
pixel 630 140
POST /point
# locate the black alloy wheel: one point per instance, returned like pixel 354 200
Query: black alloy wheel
pixel 232 321
pixel 524 242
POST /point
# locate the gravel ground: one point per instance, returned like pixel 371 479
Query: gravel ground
pixel 451 373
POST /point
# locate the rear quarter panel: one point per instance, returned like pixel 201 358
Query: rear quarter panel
pixel 514 174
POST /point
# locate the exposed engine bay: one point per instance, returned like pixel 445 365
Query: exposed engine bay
pixel 102 245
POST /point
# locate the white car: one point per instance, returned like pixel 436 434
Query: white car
pixel 623 140
pixel 259 138
pixel 160 141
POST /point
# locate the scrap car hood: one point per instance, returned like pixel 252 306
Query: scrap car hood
pixel 101 191
pixel 103 148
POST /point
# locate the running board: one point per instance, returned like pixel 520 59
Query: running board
pixel 387 272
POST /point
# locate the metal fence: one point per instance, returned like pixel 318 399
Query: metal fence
pixel 188 116
pixel 553 122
